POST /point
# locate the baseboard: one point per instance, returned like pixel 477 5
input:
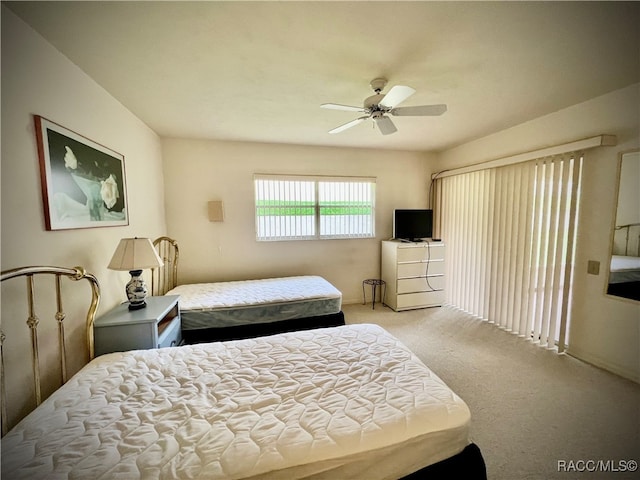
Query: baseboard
pixel 599 362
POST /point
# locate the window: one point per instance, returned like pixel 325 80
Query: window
pixel 310 208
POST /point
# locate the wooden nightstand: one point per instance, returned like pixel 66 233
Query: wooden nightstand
pixel 155 326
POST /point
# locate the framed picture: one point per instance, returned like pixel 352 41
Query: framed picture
pixel 83 182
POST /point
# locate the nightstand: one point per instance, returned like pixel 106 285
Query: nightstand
pixel 155 326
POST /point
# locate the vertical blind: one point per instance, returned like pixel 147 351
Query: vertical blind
pixel 285 208
pixel 346 208
pixel 510 233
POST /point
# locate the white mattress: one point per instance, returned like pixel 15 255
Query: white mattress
pixel 327 403
pixel 624 269
pixel 225 304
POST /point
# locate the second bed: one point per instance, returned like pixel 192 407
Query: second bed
pixel 247 308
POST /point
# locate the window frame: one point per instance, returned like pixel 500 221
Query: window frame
pixel 317 205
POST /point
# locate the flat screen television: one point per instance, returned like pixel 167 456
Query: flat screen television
pixel 412 224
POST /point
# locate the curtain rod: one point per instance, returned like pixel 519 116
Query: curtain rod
pixel 591 142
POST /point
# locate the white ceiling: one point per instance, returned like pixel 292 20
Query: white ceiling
pixel 258 71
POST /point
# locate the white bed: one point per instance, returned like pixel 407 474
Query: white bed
pixel 624 269
pixel 266 300
pixel 624 277
pixel 247 308
pixel 330 402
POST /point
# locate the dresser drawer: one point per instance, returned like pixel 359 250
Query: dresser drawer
pixel 419 300
pixel 423 253
pixel 408 270
pixel 169 334
pixel 410 285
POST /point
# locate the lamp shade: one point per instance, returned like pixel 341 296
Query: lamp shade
pixel 135 254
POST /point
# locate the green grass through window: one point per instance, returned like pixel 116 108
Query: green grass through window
pixel 280 208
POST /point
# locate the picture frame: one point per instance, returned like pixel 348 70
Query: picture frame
pixel 83 182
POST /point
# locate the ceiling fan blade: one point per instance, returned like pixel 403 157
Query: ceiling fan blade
pixel 350 124
pixel 420 110
pixel 385 125
pixel 346 108
pixel 396 96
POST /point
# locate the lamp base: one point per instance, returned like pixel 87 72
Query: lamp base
pixel 137 306
pixel 136 290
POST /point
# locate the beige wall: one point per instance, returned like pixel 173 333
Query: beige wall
pixel 199 171
pixel 604 330
pixel 37 79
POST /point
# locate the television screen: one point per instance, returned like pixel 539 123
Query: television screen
pixel 412 224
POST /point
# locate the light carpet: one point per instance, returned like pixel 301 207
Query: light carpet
pixel 535 414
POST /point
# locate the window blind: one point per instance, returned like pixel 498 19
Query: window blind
pixel 314 207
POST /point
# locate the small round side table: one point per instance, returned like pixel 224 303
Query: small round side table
pixel 374 282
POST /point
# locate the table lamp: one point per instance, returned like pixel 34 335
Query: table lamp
pixel 135 254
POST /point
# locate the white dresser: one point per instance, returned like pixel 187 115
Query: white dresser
pixel 413 273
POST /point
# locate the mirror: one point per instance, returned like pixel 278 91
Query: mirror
pixel 624 270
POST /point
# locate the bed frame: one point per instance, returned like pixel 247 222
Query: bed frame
pixel 32 321
pixel 165 278
pixel 626 229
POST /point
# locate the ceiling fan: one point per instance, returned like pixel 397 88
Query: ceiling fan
pixel 379 105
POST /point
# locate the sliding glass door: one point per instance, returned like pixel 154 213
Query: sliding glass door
pixel 510 235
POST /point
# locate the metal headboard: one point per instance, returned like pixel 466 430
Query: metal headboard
pixel 77 273
pixel 165 278
pixel 627 230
